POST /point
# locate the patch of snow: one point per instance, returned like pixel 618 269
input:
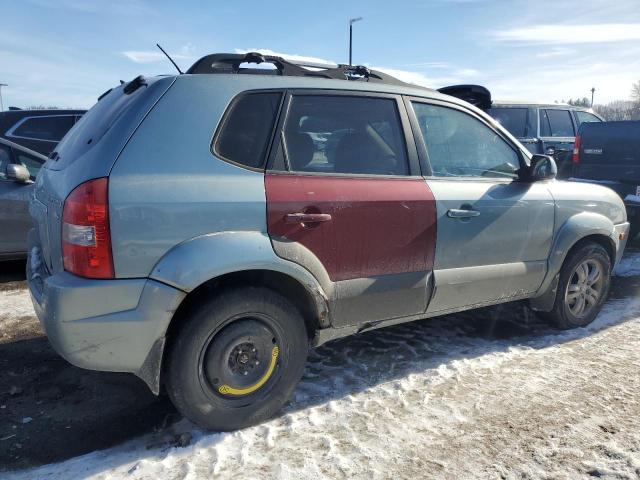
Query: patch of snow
pixel 629 266
pixel 15 307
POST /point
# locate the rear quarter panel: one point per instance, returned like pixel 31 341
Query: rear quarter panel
pixel 167 187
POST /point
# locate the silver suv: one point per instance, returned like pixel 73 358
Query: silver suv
pixel 202 231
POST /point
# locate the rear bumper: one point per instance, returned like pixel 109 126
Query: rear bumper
pixel 109 325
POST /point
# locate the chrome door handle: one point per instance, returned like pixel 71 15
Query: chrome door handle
pixel 459 213
pixel 306 217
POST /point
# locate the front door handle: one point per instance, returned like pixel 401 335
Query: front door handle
pixel 306 217
pixel 460 213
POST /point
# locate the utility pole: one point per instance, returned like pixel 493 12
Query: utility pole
pixel 1 104
pixel 593 90
pixel 351 22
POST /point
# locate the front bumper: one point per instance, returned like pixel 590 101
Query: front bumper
pixel 110 325
pixel 621 233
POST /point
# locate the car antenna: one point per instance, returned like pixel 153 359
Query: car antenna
pixel 170 59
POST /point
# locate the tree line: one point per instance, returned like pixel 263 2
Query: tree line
pixel 616 110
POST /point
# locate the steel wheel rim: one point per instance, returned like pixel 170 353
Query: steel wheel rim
pixel 241 394
pixel 585 287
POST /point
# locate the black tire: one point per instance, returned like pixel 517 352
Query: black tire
pixel 207 346
pixel 561 315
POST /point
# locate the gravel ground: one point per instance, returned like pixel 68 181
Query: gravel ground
pixel 485 394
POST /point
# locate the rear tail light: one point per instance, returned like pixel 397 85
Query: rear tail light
pixel 86 239
pixel 575 158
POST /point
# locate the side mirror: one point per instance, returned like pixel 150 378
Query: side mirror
pixel 543 167
pixel 18 173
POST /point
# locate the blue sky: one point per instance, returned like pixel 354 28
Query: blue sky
pixel 67 52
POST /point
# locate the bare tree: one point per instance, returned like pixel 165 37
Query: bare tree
pixel 635 92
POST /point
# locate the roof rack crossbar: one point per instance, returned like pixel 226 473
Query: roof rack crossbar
pixel 231 63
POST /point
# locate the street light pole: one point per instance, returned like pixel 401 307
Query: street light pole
pixel 593 90
pixel 351 22
pixel 1 104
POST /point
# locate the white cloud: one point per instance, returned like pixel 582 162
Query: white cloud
pixel 288 56
pixel 409 77
pixel 555 52
pixel 113 7
pixel 150 56
pixel 467 72
pixel 570 34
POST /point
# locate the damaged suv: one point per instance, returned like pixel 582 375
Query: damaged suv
pixel 202 231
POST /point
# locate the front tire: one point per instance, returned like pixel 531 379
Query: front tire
pixel 582 288
pixel 237 359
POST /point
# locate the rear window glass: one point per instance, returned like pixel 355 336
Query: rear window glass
pixel 513 119
pixel 556 123
pixel 247 127
pixel 91 127
pixel 584 117
pixel 51 128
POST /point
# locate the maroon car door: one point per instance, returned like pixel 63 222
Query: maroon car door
pixel 345 199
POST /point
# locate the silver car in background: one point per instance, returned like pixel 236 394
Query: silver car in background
pixel 18 169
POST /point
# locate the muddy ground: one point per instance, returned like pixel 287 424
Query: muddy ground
pixel 51 411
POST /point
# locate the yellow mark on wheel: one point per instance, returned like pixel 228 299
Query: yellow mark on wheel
pixel 228 390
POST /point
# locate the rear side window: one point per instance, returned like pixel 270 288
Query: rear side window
pixel 343 134
pixel 50 128
pixel 556 123
pixel 513 119
pixel 584 117
pixel 247 128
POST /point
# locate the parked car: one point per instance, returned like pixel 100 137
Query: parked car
pixel 201 231
pixel 548 129
pixel 39 130
pixel 18 169
pixel 609 153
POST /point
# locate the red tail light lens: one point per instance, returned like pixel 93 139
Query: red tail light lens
pixel 575 158
pixel 86 239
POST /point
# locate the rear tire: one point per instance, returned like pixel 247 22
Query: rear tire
pixel 582 288
pixel 237 359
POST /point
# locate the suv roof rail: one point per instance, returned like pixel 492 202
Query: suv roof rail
pixel 231 63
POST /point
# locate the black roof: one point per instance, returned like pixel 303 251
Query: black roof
pixel 18 113
pixel 230 63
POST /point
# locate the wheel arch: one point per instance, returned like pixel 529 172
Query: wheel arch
pixel 575 232
pixel 203 265
pixel 311 304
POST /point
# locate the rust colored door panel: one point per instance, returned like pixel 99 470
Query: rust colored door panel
pixel 357 227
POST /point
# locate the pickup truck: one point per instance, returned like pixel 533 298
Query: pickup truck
pixel 608 153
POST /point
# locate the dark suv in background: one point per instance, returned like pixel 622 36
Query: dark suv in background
pixel 548 129
pixel 38 130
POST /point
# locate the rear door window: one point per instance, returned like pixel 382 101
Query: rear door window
pixel 247 129
pixel 346 135
pixel 50 128
pixel 513 119
pixel 556 123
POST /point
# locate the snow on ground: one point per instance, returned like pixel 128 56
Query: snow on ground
pixel 15 309
pixel 429 399
pixel 629 267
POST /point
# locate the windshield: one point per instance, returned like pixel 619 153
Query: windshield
pixel 513 119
